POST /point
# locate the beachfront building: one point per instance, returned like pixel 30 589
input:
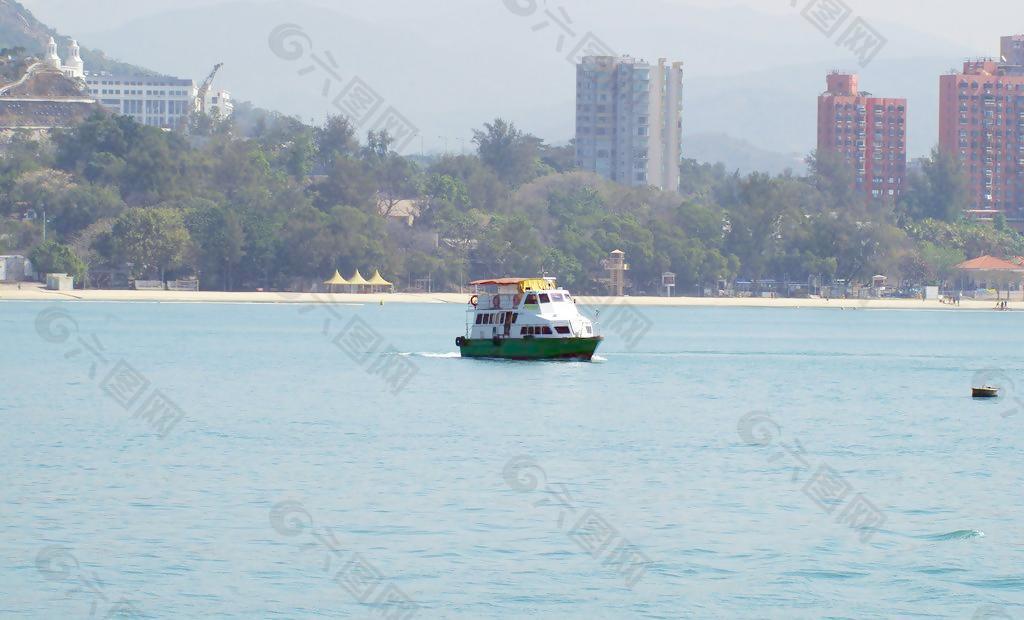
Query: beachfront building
pixel 629 120
pixel 991 273
pixel 981 122
pixel 16 268
pixel 869 133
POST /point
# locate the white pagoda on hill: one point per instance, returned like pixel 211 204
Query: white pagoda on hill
pixel 74 68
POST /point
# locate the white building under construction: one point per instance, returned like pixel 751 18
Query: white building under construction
pixel 158 101
pixel 155 100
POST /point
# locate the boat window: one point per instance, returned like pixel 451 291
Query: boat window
pixel 557 297
pixel 544 299
pixel 531 300
pixel 522 331
pixel 547 330
pixel 490 319
pixel 515 317
pixel 479 319
pixel 562 329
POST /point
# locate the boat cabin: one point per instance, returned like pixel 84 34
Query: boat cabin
pixel 525 308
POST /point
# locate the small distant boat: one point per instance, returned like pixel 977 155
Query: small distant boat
pixel 985 392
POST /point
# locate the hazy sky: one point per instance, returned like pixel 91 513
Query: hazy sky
pixel 754 67
pixel 970 24
pixel 957 20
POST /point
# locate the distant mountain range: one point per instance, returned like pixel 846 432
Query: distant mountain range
pixel 449 67
pixel 740 155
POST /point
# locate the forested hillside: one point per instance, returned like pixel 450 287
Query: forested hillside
pixel 267 201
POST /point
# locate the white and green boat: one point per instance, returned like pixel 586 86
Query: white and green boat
pixel 526 319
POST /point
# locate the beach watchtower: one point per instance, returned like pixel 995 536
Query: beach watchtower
pixel 616 267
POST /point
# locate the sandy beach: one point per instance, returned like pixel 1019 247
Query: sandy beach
pixel 11 292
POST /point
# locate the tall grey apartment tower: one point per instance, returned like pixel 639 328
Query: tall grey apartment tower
pixel 629 120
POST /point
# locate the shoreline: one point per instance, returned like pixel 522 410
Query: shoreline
pixel 10 292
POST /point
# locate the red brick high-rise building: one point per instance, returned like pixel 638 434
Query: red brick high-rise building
pixel 981 122
pixel 869 132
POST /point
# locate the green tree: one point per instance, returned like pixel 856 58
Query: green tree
pixel 335 139
pixel 349 182
pixel 509 247
pixel 395 177
pixel 150 241
pixel 835 178
pixel 53 257
pixel 512 154
pixel 446 188
pixel 939 191
pixel 941 262
pixel 146 161
pixel 486 191
pixel 699 181
pixel 559 159
pixel 219 239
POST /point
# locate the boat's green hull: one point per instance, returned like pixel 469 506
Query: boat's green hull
pixel 531 348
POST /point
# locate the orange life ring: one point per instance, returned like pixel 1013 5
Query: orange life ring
pixel 496 302
pixel 474 300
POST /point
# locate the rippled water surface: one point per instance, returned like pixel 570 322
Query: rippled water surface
pixel 735 463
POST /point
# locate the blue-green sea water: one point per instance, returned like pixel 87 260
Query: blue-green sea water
pixel 271 461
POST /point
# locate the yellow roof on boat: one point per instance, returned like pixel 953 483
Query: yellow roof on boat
pixel 525 284
pixel 337 279
pixel 357 278
pixel 377 280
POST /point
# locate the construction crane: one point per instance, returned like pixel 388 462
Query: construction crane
pixel 200 102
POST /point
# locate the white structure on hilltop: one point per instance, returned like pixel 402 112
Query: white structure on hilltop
pixel 74 68
pixel 52 59
pixel 154 100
